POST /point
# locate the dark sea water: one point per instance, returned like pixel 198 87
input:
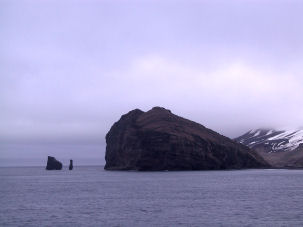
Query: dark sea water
pixel 90 196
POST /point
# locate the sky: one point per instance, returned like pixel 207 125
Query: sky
pixel 70 69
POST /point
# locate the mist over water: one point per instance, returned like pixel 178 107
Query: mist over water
pixel 33 154
pixel 70 69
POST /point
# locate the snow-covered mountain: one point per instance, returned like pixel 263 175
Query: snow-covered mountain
pixel 271 140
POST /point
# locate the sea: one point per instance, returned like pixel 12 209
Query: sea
pixel 91 196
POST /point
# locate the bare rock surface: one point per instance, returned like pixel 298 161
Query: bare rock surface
pixel 159 140
pixel 53 164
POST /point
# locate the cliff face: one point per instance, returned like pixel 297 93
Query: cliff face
pixel 160 140
pixel 53 164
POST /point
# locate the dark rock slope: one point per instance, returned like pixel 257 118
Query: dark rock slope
pixel 160 140
pixel 53 164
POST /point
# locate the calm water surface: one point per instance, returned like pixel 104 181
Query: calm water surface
pixel 90 196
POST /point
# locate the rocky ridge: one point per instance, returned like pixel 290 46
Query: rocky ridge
pixel 160 140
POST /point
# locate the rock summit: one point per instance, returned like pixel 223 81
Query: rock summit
pixel 160 140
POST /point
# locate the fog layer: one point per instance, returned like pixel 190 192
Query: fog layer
pixel 70 69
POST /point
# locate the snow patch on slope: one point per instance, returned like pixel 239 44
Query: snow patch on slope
pixel 278 140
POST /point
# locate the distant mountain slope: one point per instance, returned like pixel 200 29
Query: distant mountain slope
pixel 272 140
pixel 281 148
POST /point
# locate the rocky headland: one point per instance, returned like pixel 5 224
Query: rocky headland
pixel 159 140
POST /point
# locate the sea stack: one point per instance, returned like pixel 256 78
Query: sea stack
pixel 70 164
pixel 159 140
pixel 53 164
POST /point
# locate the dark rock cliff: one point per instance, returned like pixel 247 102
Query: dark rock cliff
pixel 160 140
pixel 53 164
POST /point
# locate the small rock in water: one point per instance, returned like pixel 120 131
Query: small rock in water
pixel 53 164
pixel 71 165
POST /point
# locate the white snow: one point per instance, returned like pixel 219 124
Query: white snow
pixel 252 131
pixel 269 132
pixel 257 133
pixel 282 135
pixel 294 138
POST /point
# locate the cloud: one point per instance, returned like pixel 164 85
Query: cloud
pixel 86 100
pixel 239 92
pixel 72 73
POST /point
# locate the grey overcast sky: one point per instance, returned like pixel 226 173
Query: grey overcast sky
pixel 70 69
